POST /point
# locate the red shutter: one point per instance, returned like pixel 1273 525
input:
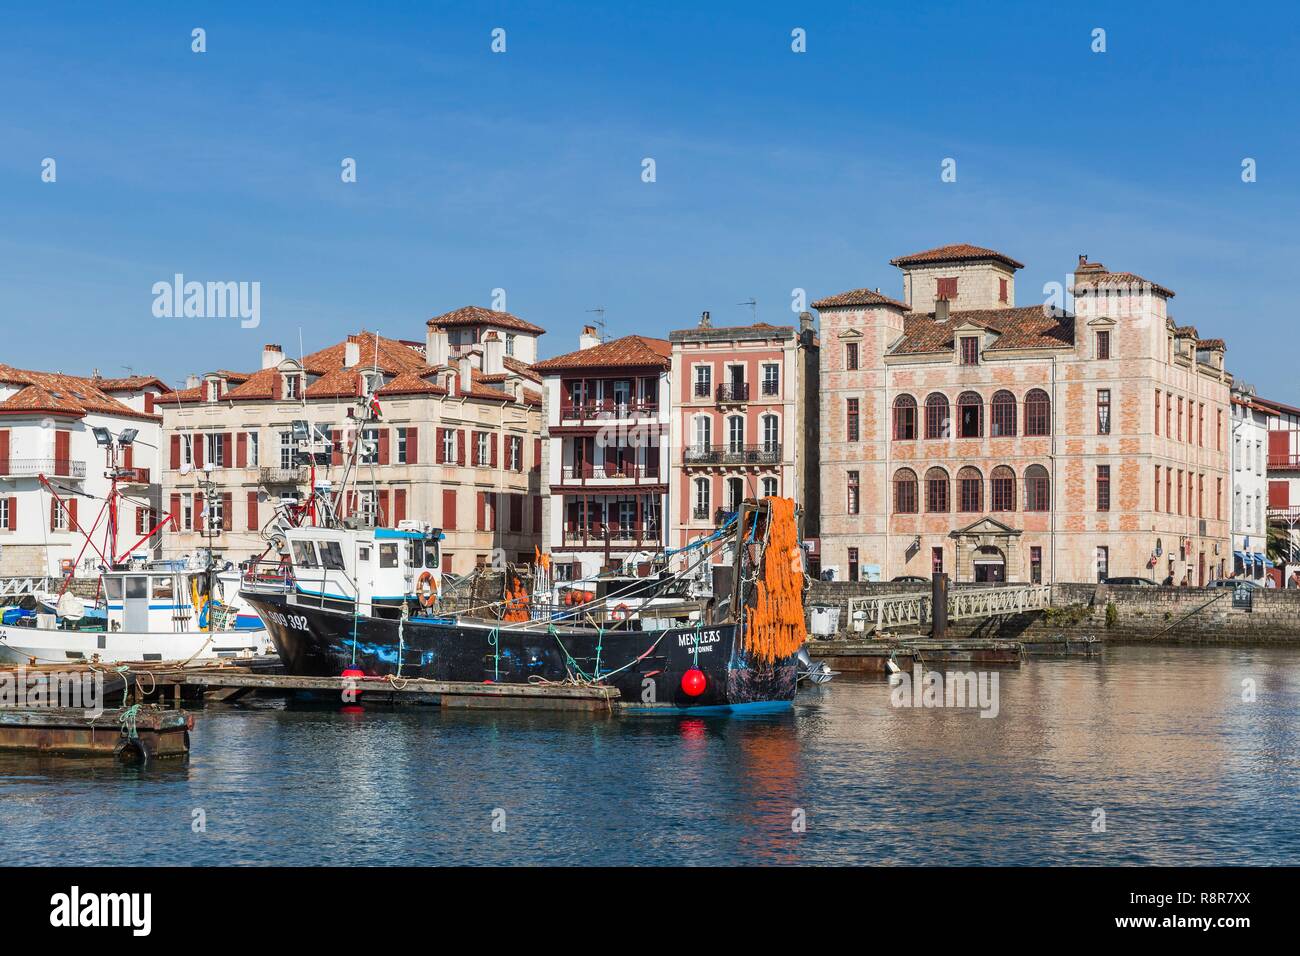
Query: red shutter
pixel 241 452
pixel 449 509
pixel 413 446
pixel 277 386
pixel 199 441
pixel 537 454
pixel 537 514
pixel 128 456
pixel 13 514
pixel 439 451
pixel 482 511
pixel 176 452
pixel 200 513
pixel 385 517
pixel 492 443
pixel 1279 494
pixel 252 511
pixel 399 506
pixel 1279 448
pixel 62 440
pixel 336 440
pixel 383 446
pixel 227 456
pixel 54 511
pixel 227 509
pixel 72 513
pixel 446 563
pixel 176 512
pixel 516 512
pixel 4 452
pixel 460 446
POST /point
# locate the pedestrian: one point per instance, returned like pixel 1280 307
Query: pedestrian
pixel 1168 582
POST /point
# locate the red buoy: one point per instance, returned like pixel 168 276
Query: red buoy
pixel 354 674
pixel 693 682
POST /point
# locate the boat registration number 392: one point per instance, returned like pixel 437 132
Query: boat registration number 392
pixel 295 621
pixel 703 638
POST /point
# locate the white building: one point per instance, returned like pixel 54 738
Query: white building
pixel 606 422
pixel 1251 422
pixel 47 423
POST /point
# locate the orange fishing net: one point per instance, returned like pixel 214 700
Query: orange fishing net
pixel 775 627
pixel 516 600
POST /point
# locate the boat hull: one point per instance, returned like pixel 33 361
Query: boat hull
pixel 646 666
pixel 26 645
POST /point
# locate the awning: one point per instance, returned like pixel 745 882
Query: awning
pixel 1267 562
pixel 1259 559
pixel 1241 556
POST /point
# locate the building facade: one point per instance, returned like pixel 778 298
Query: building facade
pixel 457 444
pixel 606 448
pixel 965 434
pixel 1251 426
pixel 47 427
pixel 1284 485
pixel 744 422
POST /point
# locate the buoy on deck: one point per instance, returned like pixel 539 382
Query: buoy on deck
pixel 693 682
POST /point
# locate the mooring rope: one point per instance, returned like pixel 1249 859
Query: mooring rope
pixel 494 641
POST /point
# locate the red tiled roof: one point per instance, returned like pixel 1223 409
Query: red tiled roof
pixel 857 297
pixel 1027 327
pixel 54 393
pixel 1211 344
pixel 1094 275
pixel 631 351
pixel 957 252
pixel 391 358
pixel 130 383
pixel 476 315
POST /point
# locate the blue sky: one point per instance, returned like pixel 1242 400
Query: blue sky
pixel 522 170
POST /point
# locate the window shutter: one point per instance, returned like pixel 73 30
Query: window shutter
pixel 413 446
pixel 399 506
pixel 72 513
pixel 4 452
pixel 449 509
pixel 54 511
pixel 241 451
pixel 227 506
pixel 383 446
pixel 128 457
pixel 385 516
pixel 176 452
pixel 227 459
pixel 336 439
pixel 460 446
pixel 13 514
pixel 481 503
pixel 439 446
pixel 176 512
pixel 199 439
pixel 277 386
pixel 200 513
pixel 492 444
pixel 252 511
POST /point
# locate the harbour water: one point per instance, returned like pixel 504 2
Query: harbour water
pixel 1158 738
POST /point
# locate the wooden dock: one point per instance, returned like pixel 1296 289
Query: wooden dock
pixel 873 656
pixel 131 734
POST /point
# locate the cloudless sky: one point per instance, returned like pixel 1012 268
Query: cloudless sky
pixel 522 170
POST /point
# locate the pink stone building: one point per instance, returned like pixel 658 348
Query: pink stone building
pixel 744 422
pixel 960 432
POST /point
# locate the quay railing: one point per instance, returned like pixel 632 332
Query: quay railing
pixel 884 612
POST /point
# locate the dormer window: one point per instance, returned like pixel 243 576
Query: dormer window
pixel 214 390
pixel 374 382
pixel 293 386
pixel 1103 344
pixel 510 343
pixel 970 349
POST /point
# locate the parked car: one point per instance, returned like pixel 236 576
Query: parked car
pixel 1143 582
pixel 909 579
pixel 1233 582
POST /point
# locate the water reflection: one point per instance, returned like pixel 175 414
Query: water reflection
pixel 1185 769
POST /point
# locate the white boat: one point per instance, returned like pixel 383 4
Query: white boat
pixel 165 612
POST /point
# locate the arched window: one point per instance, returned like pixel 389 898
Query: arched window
pixel 905 502
pixel 970 415
pixel 970 490
pixel 936 490
pixel 1002 489
pixel 1038 413
pixel 1038 489
pixel 904 418
pixel 702 494
pixel 771 433
pixel 769 487
pixel 936 416
pixel 1002 414
pixel 703 433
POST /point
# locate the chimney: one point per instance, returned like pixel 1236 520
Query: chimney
pixel 588 338
pixel 352 352
pixel 465 366
pixel 272 355
pixel 805 322
pixel 192 381
pixel 494 351
pixel 436 347
pixel 941 310
pixel 705 323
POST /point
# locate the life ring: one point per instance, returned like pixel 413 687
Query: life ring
pixel 426 595
pixel 621 613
